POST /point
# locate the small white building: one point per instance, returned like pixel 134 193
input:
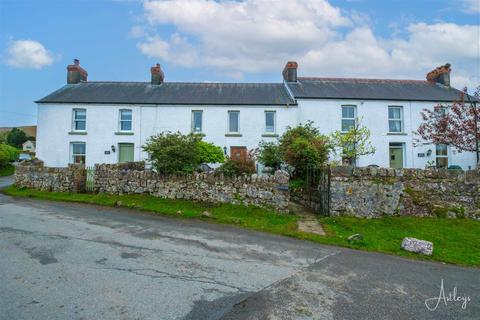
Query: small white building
pixel 107 122
pixel 29 146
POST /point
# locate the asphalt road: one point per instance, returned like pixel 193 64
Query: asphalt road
pixel 73 261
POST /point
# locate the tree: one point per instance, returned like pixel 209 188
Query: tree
pixel 303 147
pixel 210 153
pixel 176 152
pixel 269 154
pixel 352 144
pixel 457 125
pixel 3 136
pixel 16 138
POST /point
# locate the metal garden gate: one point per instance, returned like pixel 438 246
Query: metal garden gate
pixel 317 185
pixel 90 183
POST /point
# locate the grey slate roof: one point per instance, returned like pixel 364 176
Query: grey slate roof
pixel 372 89
pixel 171 93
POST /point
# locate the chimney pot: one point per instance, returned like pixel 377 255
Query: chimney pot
pixel 290 71
pixel 440 75
pixel 157 74
pixel 75 73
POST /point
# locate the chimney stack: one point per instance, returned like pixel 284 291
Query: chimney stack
pixel 75 73
pixel 290 71
pixel 157 74
pixel 440 75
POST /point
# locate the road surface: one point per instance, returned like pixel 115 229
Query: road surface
pixel 74 261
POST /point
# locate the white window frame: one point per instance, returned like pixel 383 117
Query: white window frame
pixel 274 121
pixel 74 120
pixel 441 156
pixel 349 119
pixel 120 120
pixel 238 121
pixel 402 124
pixel 193 121
pixel 72 155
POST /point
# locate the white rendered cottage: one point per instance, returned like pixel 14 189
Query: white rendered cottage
pixel 107 122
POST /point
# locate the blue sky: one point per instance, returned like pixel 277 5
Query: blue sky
pixel 245 41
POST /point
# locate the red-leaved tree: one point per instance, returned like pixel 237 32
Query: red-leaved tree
pixel 457 125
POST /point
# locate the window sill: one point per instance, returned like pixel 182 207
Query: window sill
pixel 199 134
pixel 124 133
pixel 270 135
pixel 397 134
pixel 233 134
pixel 82 133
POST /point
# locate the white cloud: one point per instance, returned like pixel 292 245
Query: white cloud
pixel 257 36
pixel 28 54
pixel 471 6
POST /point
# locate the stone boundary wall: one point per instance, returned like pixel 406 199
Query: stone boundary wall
pixel 374 192
pixel 261 191
pixel 34 175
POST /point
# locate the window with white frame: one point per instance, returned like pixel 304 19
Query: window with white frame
pixel 270 121
pixel 197 116
pixel 234 121
pixel 349 115
pixel 77 150
pixel 441 155
pixel 79 119
pixel 125 120
pixel 440 111
pixel 395 119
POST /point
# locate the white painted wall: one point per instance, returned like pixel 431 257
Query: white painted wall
pixel 55 123
pixel 327 115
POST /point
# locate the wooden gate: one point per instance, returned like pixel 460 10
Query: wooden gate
pixel 317 185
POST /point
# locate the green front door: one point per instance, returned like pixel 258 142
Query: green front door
pixel 125 152
pixel 396 157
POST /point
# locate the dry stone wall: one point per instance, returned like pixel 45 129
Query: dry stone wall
pixel 262 191
pixel 35 176
pixel 374 192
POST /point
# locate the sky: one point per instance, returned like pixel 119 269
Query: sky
pixel 228 41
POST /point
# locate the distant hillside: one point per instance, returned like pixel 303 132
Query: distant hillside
pixel 29 130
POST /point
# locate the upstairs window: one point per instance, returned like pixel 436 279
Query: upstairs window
pixel 395 119
pixel 79 119
pixel 270 121
pixel 233 121
pixel 349 115
pixel 125 120
pixel 197 121
pixel 78 152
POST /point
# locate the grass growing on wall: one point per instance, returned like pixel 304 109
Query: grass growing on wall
pixel 7 170
pixel 455 241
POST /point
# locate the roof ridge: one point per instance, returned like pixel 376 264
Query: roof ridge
pixel 190 82
pixel 361 79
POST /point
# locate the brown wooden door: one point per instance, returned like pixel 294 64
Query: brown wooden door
pixel 238 153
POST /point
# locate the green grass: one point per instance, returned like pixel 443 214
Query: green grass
pixel 455 241
pixel 7 170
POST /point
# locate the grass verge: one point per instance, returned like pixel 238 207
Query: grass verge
pixel 455 241
pixel 7 170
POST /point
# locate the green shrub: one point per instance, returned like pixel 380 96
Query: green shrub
pixel 303 146
pixel 176 152
pixel 210 153
pixel 12 152
pixel 233 167
pixel 4 158
pixel 269 154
